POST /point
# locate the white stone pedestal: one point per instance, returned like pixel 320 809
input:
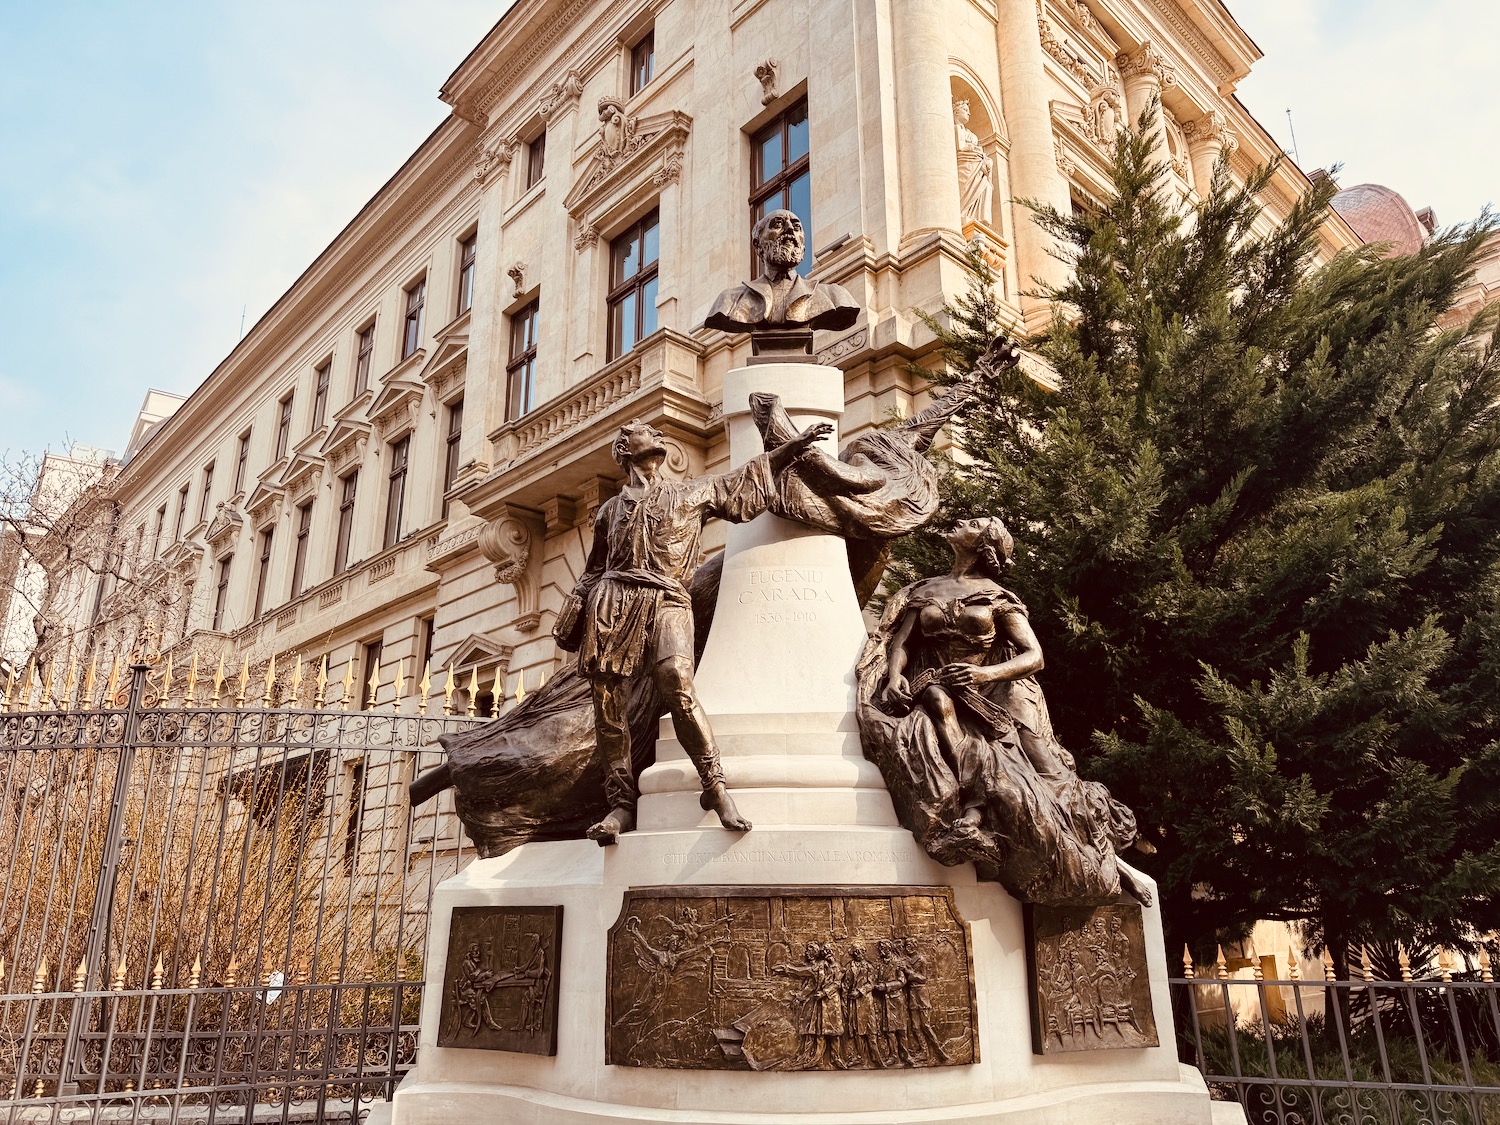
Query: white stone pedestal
pixel 777 682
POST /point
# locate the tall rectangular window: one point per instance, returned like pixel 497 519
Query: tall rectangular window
pixel 425 628
pixel 643 62
pixel 374 650
pixel 450 459
pixel 208 490
pixel 283 427
pixel 780 176
pixel 221 592
pixel 632 285
pixel 395 497
pixel 521 369
pixel 299 558
pixel 267 537
pixel 468 252
pixel 536 159
pixel 182 497
pixel 320 395
pixel 348 489
pixel 411 333
pixel 363 357
pixel 241 462
pixel 161 523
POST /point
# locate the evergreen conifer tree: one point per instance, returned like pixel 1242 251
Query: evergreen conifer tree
pixel 1258 532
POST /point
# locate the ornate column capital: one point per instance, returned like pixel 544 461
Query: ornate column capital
pixel 493 159
pixel 1211 129
pixel 562 96
pixel 1146 62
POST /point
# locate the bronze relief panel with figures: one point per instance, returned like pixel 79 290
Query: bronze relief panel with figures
pixel 500 988
pixel 790 978
pixel 1090 986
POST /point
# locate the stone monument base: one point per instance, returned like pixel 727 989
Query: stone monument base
pixel 1008 1083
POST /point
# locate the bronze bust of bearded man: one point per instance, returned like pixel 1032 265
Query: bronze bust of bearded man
pixel 631 614
pixel 781 306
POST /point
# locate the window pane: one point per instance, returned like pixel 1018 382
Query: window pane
pixel 529 329
pixel 626 309
pixel 796 134
pixel 627 259
pixel 648 308
pixel 768 156
pixel 652 239
pixel 799 202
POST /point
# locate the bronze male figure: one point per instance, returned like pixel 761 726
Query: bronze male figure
pixel 634 613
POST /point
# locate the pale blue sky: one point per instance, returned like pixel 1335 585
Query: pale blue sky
pixel 165 165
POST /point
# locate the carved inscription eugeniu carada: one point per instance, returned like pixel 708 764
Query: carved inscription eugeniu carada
pixel 827 978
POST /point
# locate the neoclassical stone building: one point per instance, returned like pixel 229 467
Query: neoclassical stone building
pixel 403 457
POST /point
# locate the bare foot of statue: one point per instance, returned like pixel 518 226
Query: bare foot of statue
pixel 1134 887
pixel 608 830
pixel 716 797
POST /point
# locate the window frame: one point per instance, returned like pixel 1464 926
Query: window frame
pixel 348 496
pixel 267 542
pixel 536 160
pixel 322 381
pixel 780 182
pixel 161 526
pixel 182 509
pixel 451 447
pixel 411 320
pixel 639 80
pixel 208 492
pixel 364 341
pixel 241 461
pixel 221 593
pixel 468 256
pixel 371 654
pixel 395 492
pixel 284 424
pixel 520 368
pixel 636 283
pixel 299 553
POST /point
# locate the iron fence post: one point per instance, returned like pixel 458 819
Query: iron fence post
pixel 104 888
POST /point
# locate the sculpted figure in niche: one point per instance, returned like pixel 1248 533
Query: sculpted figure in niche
pixel 780 298
pixel 950 709
pixel 976 188
pixel 631 614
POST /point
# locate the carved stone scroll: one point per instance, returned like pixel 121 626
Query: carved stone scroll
pixel 1090 987
pixel 790 978
pixel 500 989
pixel 512 541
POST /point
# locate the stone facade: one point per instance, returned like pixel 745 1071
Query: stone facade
pixel 555 150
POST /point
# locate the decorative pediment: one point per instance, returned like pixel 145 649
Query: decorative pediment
pixel 478 649
pixel 630 149
pixel 396 404
pixel 224 528
pixel 450 357
pixel 346 442
pixel 264 504
pixel 302 474
pixel 183 555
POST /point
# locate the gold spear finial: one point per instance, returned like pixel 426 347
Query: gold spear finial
pixel 112 685
pixel 213 699
pixel 196 973
pixel 81 974
pixel 1187 961
pixel 232 970
pixel 1293 969
pixel 39 982
pixel 159 973
pixel 117 982
pixel 1366 969
pixel 45 703
pixel 424 688
pixel 399 685
pixel 190 697
pixel 473 707
pixel 348 686
pixel 239 699
pixel 497 690
pixel 71 682
pixel 448 691
pixel 1484 964
pixel 1221 965
pixel 1328 973
pixel 520 688
pixel 1255 966
pixel 1445 965
pixel 266 699
pixel 1403 960
pixel 166 681
pixel 86 700
pixel 320 685
pixel 374 685
pixel 294 689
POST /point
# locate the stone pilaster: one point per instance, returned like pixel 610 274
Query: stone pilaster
pixel 1032 161
pixel 1208 137
pixel 924 120
pixel 1145 72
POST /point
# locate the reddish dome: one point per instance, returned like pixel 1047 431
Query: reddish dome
pixel 1379 214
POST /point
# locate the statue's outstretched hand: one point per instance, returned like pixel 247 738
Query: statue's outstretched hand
pixel 816 432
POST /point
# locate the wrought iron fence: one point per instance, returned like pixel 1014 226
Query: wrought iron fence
pixel 212 911
pixel 1362 1051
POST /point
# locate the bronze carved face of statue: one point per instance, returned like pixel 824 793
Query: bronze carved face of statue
pixel 780 240
pixel 638 441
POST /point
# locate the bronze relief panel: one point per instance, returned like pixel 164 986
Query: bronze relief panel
pixel 790 978
pixel 1090 987
pixel 500 988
